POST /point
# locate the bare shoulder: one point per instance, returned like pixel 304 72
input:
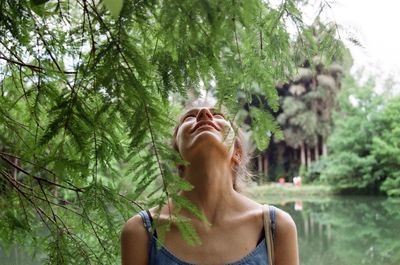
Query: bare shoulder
pixel 286 247
pixel 134 227
pixel 134 242
pixel 284 221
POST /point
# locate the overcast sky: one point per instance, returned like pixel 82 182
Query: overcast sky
pixel 375 24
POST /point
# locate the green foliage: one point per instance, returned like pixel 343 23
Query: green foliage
pixel 114 6
pixel 386 147
pixel 364 146
pixel 302 170
pixel 263 124
pixel 350 164
pixel 86 114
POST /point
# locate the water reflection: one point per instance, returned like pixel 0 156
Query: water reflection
pixel 298 205
pixel 347 230
pixel 17 255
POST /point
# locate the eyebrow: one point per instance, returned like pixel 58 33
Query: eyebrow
pixel 212 110
pixel 194 110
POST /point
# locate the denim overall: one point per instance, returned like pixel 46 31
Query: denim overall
pixel 162 256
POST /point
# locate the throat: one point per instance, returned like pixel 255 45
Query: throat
pixel 211 200
pixel 212 181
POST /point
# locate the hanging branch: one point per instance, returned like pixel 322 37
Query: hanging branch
pixel 32 67
pixel 43 214
pixel 38 178
pixel 46 199
pixel 281 13
pixel 91 225
pixel 237 43
pixel 152 134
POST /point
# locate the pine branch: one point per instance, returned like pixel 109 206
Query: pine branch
pixel 36 177
pixel 91 224
pixel 43 214
pixel 129 200
pixel 82 42
pixel 237 43
pixel 281 12
pixel 49 52
pixel 145 106
pixel 47 200
pixel 93 50
pixel 192 19
pixel 152 135
pixel 32 67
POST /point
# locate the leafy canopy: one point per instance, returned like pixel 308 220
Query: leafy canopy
pixel 88 102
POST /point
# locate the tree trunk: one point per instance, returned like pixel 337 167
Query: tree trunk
pixel 302 155
pixel 266 164
pixel 320 230
pixel 316 153
pixel 316 149
pixel 308 155
pixel 259 168
pixel 324 148
pixel 329 232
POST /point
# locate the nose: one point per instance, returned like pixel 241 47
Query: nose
pixel 204 114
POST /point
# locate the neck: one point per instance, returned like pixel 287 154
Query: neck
pixel 211 177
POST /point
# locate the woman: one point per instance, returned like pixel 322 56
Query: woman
pixel 234 233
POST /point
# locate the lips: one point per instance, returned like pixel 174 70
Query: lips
pixel 204 123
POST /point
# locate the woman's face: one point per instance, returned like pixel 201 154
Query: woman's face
pixel 202 128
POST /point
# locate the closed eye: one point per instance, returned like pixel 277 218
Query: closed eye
pixel 188 116
pixel 219 115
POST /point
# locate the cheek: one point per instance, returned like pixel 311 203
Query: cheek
pixel 181 140
pixel 178 140
pixel 229 137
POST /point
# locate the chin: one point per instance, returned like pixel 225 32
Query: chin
pixel 207 137
pixel 204 143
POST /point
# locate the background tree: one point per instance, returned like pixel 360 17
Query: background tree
pixel 386 147
pixel 351 164
pixel 364 147
pixel 308 99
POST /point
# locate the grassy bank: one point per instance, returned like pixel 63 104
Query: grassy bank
pixel 287 192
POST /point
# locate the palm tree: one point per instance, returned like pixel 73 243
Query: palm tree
pixel 308 99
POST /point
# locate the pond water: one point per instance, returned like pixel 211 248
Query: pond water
pixel 332 231
pixel 346 230
pixel 20 256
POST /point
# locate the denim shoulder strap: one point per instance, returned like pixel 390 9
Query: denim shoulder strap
pixel 147 221
pixel 152 249
pixel 272 214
